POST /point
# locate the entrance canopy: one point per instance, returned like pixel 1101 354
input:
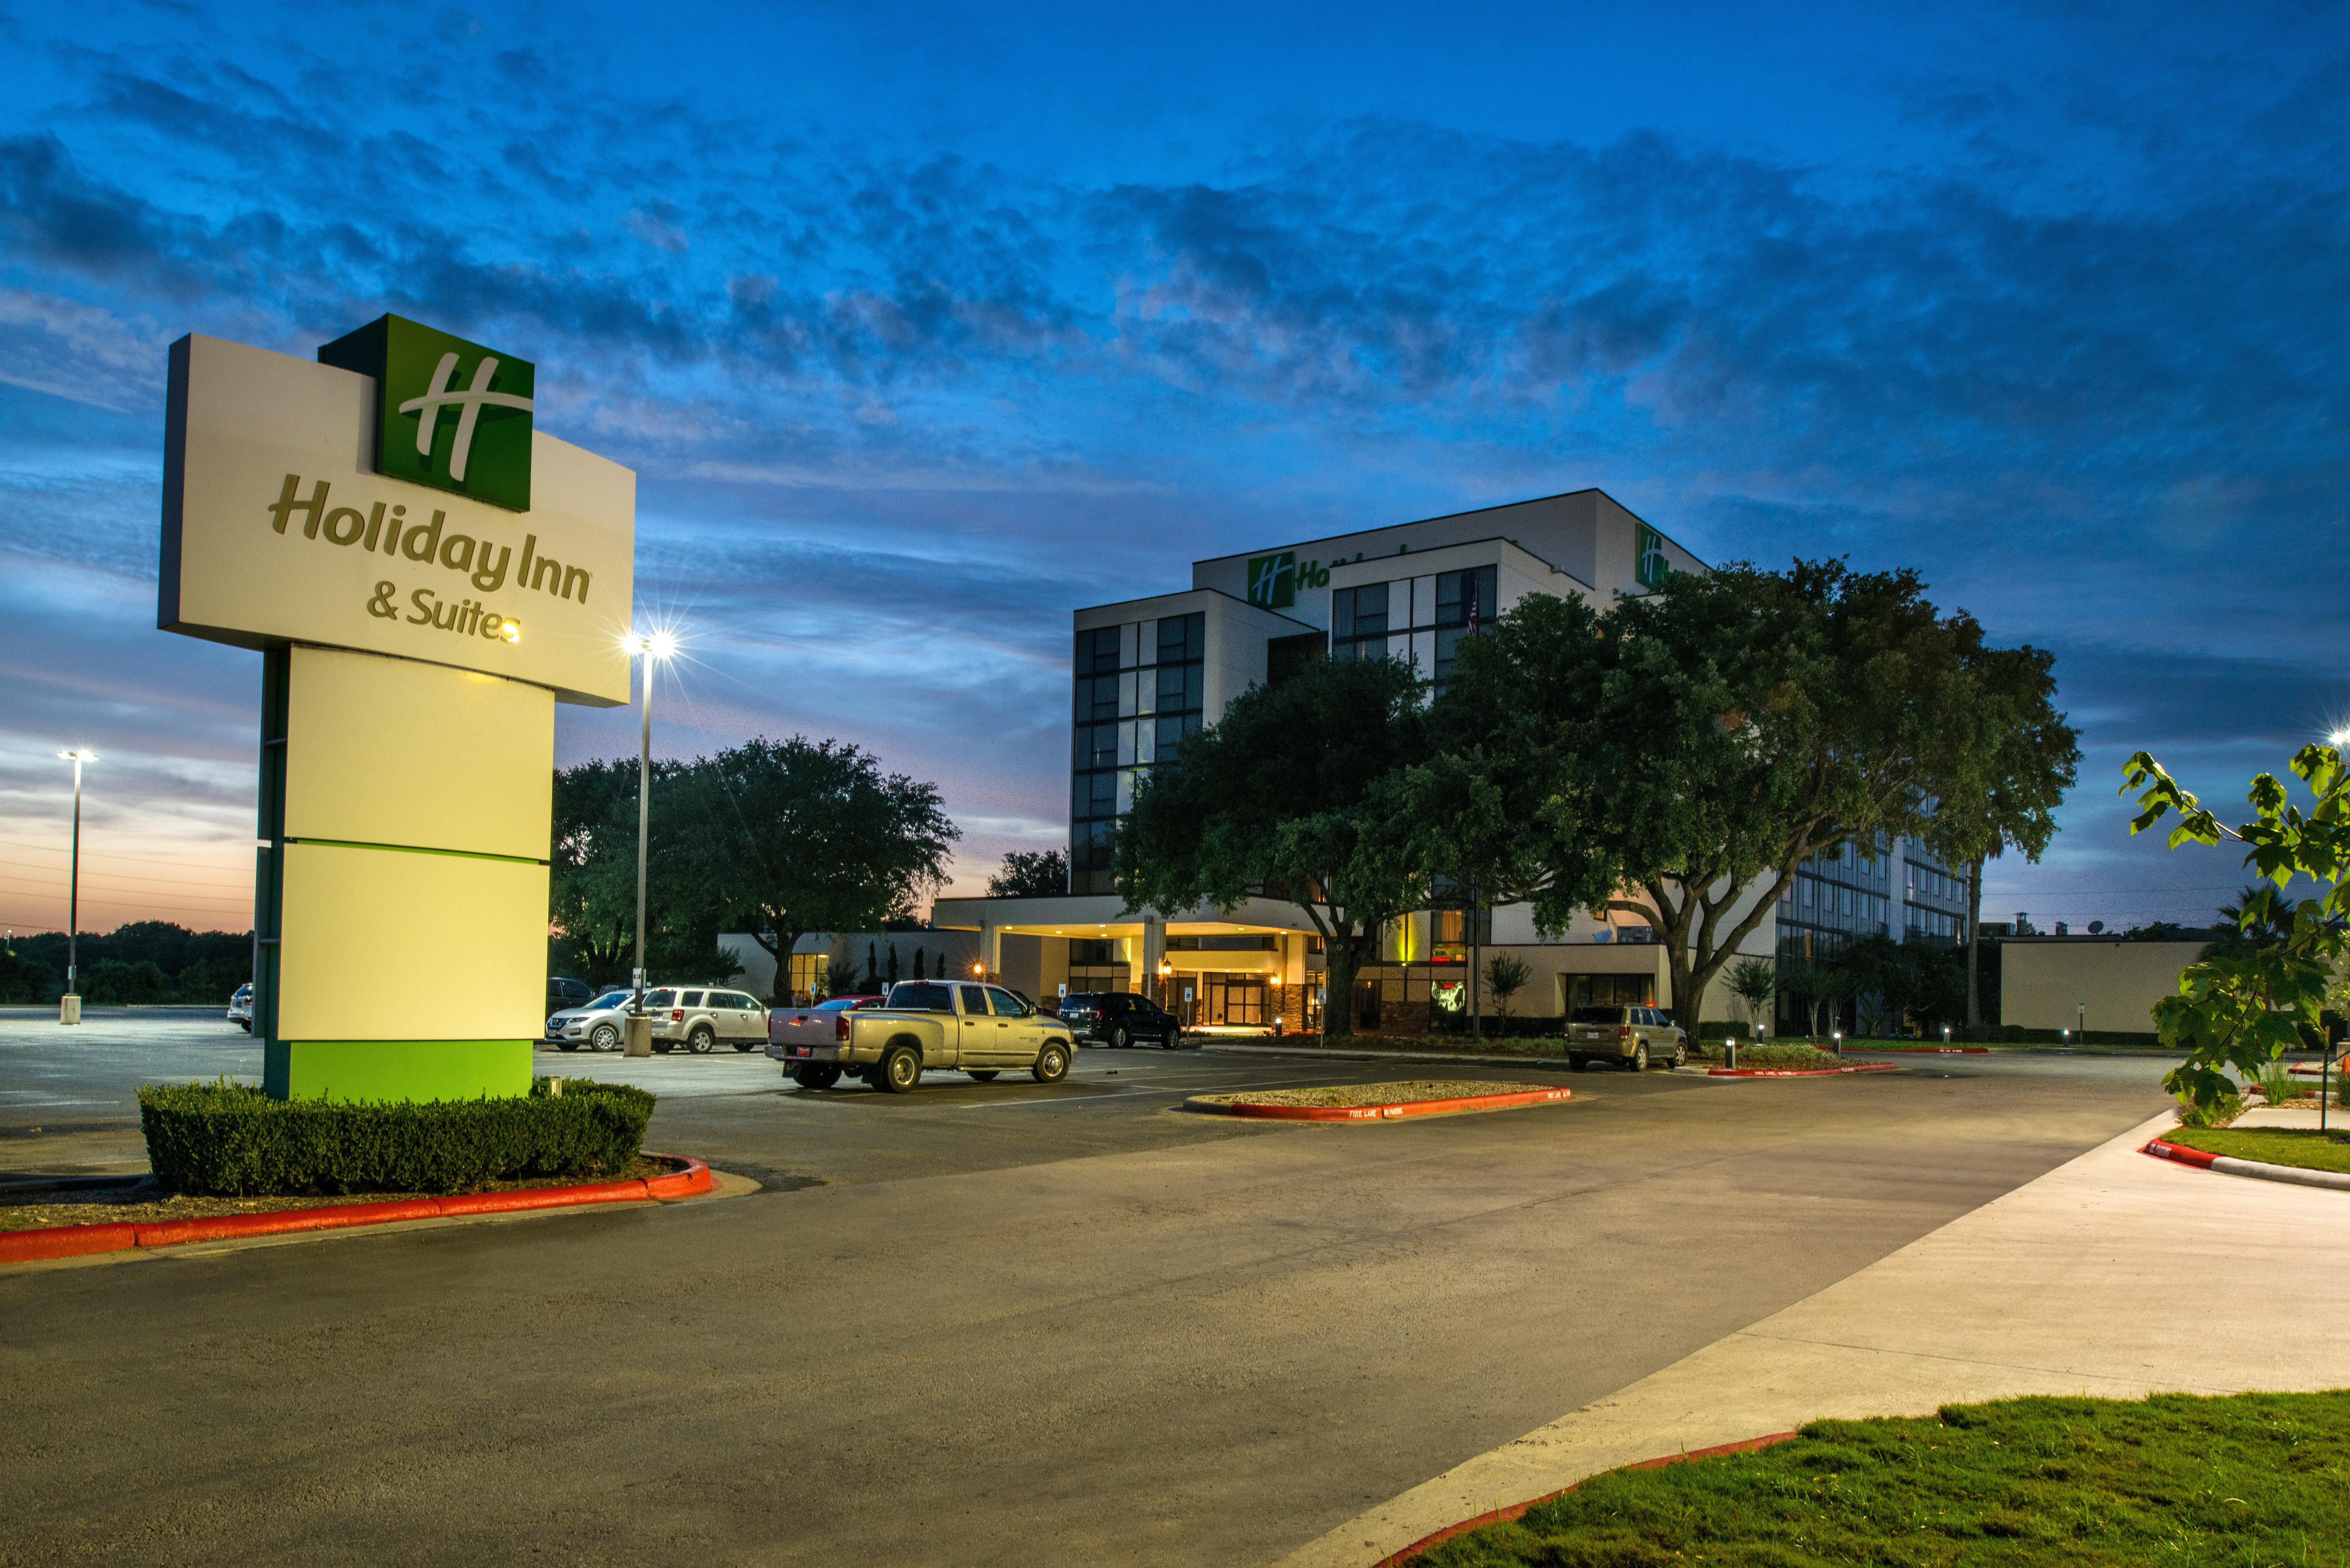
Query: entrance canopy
pixel 1101 915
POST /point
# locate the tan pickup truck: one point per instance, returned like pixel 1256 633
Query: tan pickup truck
pixel 981 1030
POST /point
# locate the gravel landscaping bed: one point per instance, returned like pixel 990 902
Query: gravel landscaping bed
pixel 1547 1045
pixel 150 1202
pixel 1778 1056
pixel 1397 1093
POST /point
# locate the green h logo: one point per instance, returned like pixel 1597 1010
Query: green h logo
pixel 449 413
pixel 1653 569
pixel 1272 580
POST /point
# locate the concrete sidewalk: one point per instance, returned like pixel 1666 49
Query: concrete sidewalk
pixel 2115 1275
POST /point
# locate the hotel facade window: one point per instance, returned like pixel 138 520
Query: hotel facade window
pixel 1139 689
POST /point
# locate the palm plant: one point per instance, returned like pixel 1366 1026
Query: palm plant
pixel 1754 982
pixel 1505 976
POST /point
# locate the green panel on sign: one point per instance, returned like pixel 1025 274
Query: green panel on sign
pixel 1272 580
pixel 384 1070
pixel 1653 569
pixel 451 414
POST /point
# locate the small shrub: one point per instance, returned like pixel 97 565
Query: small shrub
pixel 2277 1086
pixel 231 1139
pixel 2218 1114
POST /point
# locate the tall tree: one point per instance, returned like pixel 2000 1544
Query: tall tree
pixel 1030 874
pixel 592 871
pixel 803 836
pixel 1679 755
pixel 2031 758
pixel 1293 792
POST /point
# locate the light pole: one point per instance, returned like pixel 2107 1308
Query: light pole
pixel 650 650
pixel 69 1005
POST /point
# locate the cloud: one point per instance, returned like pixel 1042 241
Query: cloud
pixel 895 410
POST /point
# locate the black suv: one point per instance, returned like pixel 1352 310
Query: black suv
pixel 1119 1018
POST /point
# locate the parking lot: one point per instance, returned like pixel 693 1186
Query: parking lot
pixel 977 1323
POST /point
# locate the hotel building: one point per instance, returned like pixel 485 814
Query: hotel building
pixel 1148 672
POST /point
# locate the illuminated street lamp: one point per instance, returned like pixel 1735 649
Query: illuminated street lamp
pixel 69 1005
pixel 649 651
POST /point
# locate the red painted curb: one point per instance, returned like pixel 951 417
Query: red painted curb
pixel 1515 1510
pixel 2179 1152
pixel 1800 1071
pixel 1381 1112
pixel 75 1241
pixel 64 1241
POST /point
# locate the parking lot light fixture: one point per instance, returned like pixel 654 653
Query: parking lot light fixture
pixel 69 1005
pixel 649 651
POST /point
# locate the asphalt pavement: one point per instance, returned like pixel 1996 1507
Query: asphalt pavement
pixel 980 1324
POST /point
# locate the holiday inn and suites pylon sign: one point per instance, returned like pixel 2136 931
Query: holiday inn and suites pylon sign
pixel 426 573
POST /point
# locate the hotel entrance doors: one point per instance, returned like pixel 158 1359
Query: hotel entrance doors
pixel 1236 999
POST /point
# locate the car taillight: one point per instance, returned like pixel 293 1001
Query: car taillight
pixel 677 1015
pixel 840 1026
pixel 1624 1033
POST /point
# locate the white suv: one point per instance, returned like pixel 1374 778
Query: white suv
pixel 598 1024
pixel 699 1019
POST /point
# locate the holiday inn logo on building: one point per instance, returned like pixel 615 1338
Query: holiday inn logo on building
pixel 1653 569
pixel 450 414
pixel 1272 580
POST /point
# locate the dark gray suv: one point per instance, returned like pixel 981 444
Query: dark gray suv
pixel 1119 1018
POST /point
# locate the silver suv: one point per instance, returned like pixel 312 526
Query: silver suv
pixel 1634 1036
pixel 699 1019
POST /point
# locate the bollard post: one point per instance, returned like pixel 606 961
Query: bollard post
pixel 638 1036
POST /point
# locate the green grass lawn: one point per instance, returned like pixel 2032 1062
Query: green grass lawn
pixel 2303 1147
pixel 2256 1478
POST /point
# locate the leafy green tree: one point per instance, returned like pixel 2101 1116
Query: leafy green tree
pixel 1680 754
pixel 1293 791
pixel 839 979
pixel 1506 974
pixel 800 835
pixel 592 868
pixel 1030 874
pixel 2245 1008
pixel 2010 803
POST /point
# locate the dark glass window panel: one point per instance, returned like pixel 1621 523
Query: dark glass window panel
pixel 1180 687
pixel 1182 637
pixel 1100 746
pixel 1097 651
pixel 1361 612
pixel 1458 593
pixel 1097 698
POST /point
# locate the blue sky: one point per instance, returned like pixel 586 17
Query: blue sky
pixel 923 325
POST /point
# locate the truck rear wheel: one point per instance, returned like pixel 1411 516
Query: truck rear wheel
pixel 816 1077
pixel 1639 1062
pixel 902 1069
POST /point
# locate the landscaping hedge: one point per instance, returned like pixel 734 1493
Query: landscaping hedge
pixel 231 1139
